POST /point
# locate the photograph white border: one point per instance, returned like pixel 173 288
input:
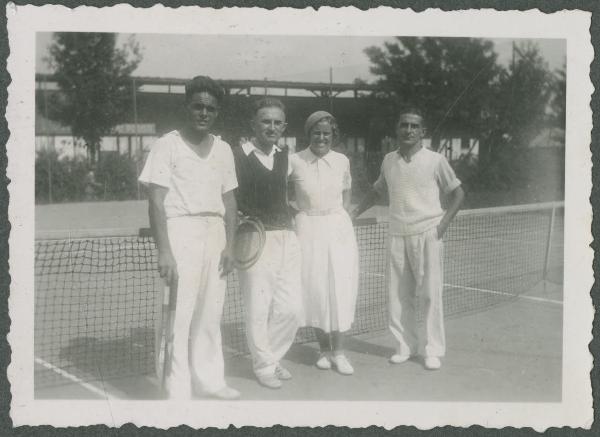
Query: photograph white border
pixel 575 410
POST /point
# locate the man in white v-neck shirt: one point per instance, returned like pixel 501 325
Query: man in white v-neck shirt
pixel 414 177
pixel 271 287
pixel 190 175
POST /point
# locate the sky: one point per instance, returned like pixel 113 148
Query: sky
pixel 289 58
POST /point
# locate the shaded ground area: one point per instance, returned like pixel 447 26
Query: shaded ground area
pixel 511 352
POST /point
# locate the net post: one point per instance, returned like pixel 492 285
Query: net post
pixel 549 245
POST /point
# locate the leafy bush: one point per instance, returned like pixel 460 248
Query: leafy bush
pixel 117 175
pixel 467 170
pixel 73 180
pixel 59 180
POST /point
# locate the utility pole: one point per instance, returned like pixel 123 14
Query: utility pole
pixel 45 92
pixel 135 131
pixel 513 57
pixel 330 89
pixel 135 114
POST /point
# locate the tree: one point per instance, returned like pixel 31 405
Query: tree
pixel 94 79
pixel 524 97
pixel 465 94
pixel 449 78
pixel 559 97
pixel 522 103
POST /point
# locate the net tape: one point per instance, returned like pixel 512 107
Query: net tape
pixel 98 299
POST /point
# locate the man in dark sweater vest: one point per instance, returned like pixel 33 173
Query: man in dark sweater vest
pixel 271 287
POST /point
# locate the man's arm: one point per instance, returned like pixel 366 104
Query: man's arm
pixel 231 211
pixel 455 200
pixel 291 196
pixel 367 202
pixel 158 222
pixel 379 188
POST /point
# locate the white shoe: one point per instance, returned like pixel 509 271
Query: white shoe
pixel 432 363
pixel 282 373
pixel 270 380
pixel 399 358
pixel 324 363
pixel 342 364
pixel 226 394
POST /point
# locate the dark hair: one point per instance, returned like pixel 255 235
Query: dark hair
pixel 410 110
pixel 201 84
pixel 268 102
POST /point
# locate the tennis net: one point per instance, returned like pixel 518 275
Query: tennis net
pixel 98 296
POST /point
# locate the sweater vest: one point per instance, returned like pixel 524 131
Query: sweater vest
pixel 261 192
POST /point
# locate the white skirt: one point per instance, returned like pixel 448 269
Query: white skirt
pixel 329 270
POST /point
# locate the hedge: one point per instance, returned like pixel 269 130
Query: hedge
pixel 74 180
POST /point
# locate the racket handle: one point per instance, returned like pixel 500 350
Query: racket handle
pixel 169 303
pixel 164 337
pixel 166 295
pixel 170 295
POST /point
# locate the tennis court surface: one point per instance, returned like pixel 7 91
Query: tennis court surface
pixel 98 300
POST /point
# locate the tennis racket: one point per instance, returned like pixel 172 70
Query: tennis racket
pixel 249 242
pixel 166 340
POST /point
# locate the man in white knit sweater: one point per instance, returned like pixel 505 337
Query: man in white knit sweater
pixel 414 177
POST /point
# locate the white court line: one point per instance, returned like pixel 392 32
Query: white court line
pixel 508 240
pixel 483 290
pixel 519 296
pixel 380 275
pixel 73 378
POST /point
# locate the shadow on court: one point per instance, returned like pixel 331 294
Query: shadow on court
pixel 509 353
pixel 358 345
pixel 103 363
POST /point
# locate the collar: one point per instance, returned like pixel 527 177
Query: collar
pixel 249 147
pixel 179 134
pixel 313 158
pixel 409 157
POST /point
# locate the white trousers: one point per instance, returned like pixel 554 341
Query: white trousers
pixel 272 299
pixel 197 243
pixel 416 282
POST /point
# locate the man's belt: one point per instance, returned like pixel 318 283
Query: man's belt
pixel 318 212
pixel 282 227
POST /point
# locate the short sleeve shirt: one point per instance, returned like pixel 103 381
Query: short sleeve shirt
pixel 195 184
pixel 414 189
pixel 320 181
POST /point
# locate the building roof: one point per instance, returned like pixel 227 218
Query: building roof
pixel 237 85
pixel 47 127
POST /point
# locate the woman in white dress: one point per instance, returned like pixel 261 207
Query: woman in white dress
pixel 322 181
